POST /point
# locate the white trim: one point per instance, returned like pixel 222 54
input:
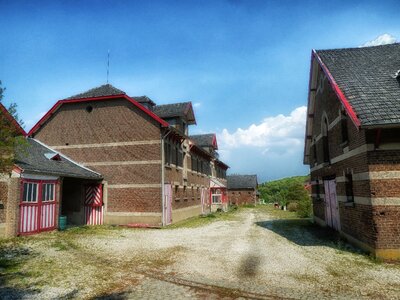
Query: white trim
pixel 129 186
pixel 334 122
pixel 384 201
pixel 38 177
pixel 362 149
pixel 67 158
pixel 376 175
pixel 116 144
pixel 128 162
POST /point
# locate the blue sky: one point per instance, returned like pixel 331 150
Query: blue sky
pixel 244 64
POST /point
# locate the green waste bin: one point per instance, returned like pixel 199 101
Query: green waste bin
pixel 62 222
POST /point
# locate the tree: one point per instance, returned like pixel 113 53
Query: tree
pixel 10 137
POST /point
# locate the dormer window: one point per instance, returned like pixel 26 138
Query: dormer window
pixel 53 156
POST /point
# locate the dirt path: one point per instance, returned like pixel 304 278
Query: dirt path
pixel 252 256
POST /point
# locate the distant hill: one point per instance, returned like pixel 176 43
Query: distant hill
pixel 272 191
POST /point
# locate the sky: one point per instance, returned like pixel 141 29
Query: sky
pixel 243 64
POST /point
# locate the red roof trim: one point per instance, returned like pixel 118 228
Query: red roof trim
pixel 12 120
pixel 61 102
pixel 338 91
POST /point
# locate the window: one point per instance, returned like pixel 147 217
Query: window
pixel 167 152
pixel 216 198
pixel 343 123
pixel 317 189
pixel 325 142
pixel 315 151
pixel 31 191
pixel 48 192
pixel 349 187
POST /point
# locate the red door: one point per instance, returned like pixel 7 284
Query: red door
pixel 94 204
pixel 37 206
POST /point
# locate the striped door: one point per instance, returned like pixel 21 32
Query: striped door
pixel 37 207
pixel 94 204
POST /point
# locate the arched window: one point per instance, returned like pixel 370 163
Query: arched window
pixel 325 140
pixel 343 123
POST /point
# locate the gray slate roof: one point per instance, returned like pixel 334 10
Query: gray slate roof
pixel 242 182
pixel 171 110
pixel 32 159
pixel 104 90
pixel 174 110
pixel 203 139
pixel 367 78
pixel 144 99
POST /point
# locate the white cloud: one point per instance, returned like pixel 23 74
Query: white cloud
pixel 197 104
pixel 383 39
pixel 271 149
pixel 271 134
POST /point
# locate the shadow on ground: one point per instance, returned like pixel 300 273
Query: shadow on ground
pixel 304 233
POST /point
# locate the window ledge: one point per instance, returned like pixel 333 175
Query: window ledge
pixel 349 204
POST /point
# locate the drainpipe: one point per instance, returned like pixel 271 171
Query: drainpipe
pixel 163 176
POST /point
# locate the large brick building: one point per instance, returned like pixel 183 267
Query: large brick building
pixel 153 172
pixel 353 145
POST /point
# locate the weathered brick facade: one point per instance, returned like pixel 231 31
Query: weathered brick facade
pixel 126 145
pixel 242 196
pixel 372 158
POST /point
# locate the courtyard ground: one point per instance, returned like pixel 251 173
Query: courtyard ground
pixel 251 253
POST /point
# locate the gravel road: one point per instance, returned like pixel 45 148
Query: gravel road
pixel 253 256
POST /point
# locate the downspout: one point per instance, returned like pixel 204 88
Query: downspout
pixel 163 177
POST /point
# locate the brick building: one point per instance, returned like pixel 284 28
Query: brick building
pixel 353 145
pixel 242 189
pixel 153 173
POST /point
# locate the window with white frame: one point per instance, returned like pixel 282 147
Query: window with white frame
pixel 31 191
pixel 48 192
pixel 216 198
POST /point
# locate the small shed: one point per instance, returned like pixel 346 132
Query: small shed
pixel 45 184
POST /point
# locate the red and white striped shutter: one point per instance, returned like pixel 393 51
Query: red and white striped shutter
pixel 94 204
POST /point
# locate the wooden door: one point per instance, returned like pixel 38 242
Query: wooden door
pixel 37 207
pixel 167 204
pixel 94 204
pixel 332 216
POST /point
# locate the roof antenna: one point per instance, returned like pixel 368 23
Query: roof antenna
pixel 108 64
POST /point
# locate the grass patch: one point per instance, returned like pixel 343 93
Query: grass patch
pixel 203 220
pixel 277 212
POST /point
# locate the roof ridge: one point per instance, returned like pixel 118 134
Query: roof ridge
pixel 102 90
pixel 358 48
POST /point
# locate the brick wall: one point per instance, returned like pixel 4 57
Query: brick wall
pixel 134 200
pixel 112 121
pixel 3 200
pixel 241 196
pixel 12 208
pixel 357 221
pixel 387 226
